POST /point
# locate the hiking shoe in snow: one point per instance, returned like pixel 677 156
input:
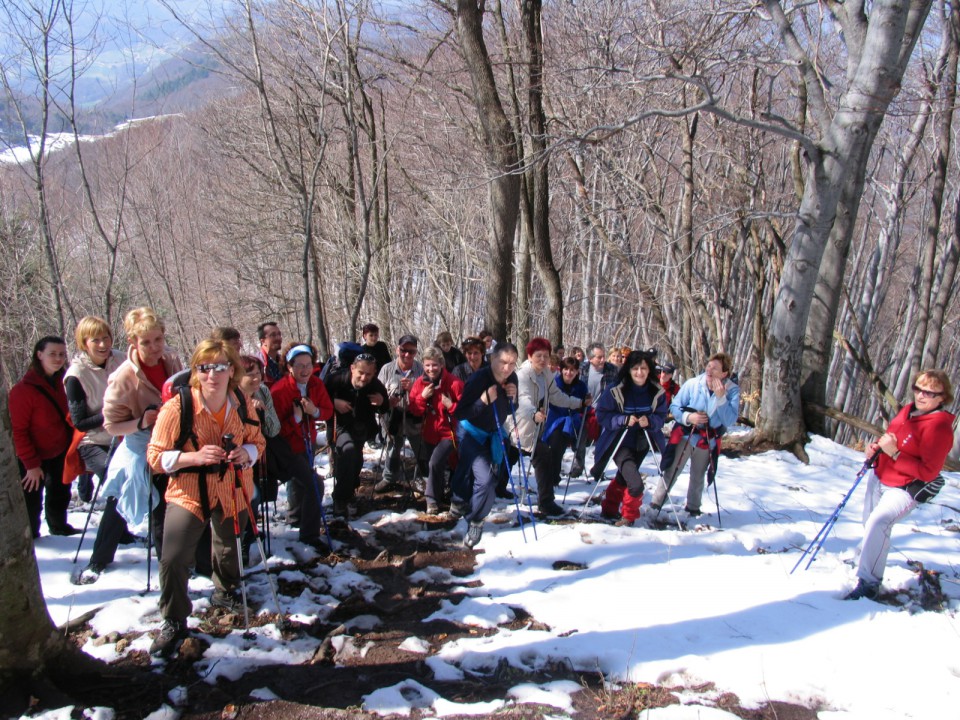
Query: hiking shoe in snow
pixel 85 488
pixel 691 512
pixel 551 509
pixel 623 522
pixel 576 469
pixel 90 574
pixel 457 510
pixel 383 485
pixel 864 589
pixel 230 600
pixel 474 533
pixel 432 508
pixel 504 494
pixel 171 633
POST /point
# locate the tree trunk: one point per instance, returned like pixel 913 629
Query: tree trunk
pixel 501 155
pixel 879 49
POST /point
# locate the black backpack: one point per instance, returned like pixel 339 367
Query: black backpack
pixel 187 434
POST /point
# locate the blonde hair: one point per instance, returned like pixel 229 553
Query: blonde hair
pixel 938 376
pixel 208 351
pixel 139 321
pixel 90 326
pixel 433 353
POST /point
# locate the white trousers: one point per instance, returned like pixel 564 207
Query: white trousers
pixel 883 506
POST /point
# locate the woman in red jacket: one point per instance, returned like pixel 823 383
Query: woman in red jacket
pixel 300 400
pixel 434 396
pixel 42 434
pixel 911 454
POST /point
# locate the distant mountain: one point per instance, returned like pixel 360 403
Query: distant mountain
pixel 145 63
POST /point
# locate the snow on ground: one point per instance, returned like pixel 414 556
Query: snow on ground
pixel 659 606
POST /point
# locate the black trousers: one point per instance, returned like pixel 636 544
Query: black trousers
pixel 58 496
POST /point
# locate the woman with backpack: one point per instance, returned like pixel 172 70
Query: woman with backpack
pixel 909 458
pixel 42 435
pixel 210 481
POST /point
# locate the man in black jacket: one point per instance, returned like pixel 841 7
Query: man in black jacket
pixel 358 398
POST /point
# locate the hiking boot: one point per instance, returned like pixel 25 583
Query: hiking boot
pixel 166 642
pixel 609 516
pixel 432 508
pixel 90 574
pixel 231 600
pixel 550 508
pixel 864 589
pixel 85 488
pixel 457 510
pixel 128 538
pixel 341 510
pixel 624 522
pixel 383 485
pixel 474 533
pixel 504 494
pixel 691 512
pixel 317 544
pixel 576 469
pixel 66 529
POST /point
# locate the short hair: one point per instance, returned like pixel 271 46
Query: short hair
pixel 40 346
pixel 209 349
pixel 936 375
pixel 140 321
pixel 262 328
pixel 444 337
pixel 726 363
pixel 575 349
pixel 594 346
pixel 484 334
pixel 225 332
pixel 249 362
pixel 504 348
pixel 570 363
pixel 432 353
pixel 472 342
pixel 536 345
pixel 90 326
pixel 370 327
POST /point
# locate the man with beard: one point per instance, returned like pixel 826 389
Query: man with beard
pixel 483 407
pixel 358 398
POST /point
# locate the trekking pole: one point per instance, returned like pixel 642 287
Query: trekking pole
pixel 678 463
pixel 716 494
pixel 263 557
pixel 308 448
pixel 149 524
pixel 516 496
pixel 576 444
pixel 261 470
pixel 96 494
pixel 832 520
pixel 658 458
pixel 597 486
pixel 523 469
pixel 229 446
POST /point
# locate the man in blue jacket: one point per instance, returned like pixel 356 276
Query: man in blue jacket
pixel 705 406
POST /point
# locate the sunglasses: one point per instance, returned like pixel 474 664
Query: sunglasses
pixel 408 351
pixel 213 367
pixel 929 394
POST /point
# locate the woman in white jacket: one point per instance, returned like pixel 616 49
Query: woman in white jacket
pixel 536 391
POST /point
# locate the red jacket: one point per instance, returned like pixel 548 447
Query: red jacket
pixel 284 393
pixel 436 420
pixel 924 442
pixel 40 431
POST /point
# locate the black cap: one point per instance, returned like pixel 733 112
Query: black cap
pixel 408 340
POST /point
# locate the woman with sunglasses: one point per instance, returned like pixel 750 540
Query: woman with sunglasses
pixel 203 486
pixel 908 456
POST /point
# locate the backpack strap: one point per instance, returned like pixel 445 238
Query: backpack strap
pixel 48 396
pixel 187 435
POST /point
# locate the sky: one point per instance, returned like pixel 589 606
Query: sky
pixel 659 606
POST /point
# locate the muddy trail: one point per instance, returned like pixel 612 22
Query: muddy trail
pixel 415 567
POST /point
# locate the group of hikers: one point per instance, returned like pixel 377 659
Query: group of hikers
pixel 196 451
